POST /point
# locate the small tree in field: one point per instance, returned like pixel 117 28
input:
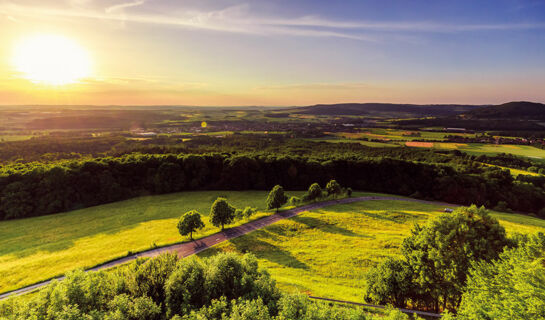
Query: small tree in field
pixel 314 192
pixel 222 213
pixel 349 192
pixel 189 223
pixel 276 198
pixel 333 188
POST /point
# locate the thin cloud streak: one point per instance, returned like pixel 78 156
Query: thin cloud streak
pixel 237 19
pixel 310 21
pixel 122 6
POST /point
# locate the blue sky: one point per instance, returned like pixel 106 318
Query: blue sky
pixel 283 52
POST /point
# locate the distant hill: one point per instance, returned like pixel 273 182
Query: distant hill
pixel 517 110
pixel 381 109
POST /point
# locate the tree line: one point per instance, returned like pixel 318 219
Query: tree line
pixel 222 213
pixel 35 189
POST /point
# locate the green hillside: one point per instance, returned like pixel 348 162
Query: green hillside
pixel 36 249
pixel 326 252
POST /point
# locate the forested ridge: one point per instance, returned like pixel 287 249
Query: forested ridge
pixel 37 188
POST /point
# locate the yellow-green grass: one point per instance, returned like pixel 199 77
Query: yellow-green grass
pixel 365 143
pixel 8 137
pixel 514 172
pixel 492 149
pixel 326 252
pixel 36 249
pixel 402 135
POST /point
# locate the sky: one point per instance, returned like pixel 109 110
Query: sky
pixel 278 52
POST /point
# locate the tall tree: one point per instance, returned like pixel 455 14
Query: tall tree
pixel 222 213
pixel 436 260
pixel 333 188
pixel 190 222
pixel 276 198
pixel 442 252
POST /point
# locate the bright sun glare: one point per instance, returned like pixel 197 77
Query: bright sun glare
pixel 51 60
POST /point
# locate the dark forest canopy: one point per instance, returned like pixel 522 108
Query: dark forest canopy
pixel 35 189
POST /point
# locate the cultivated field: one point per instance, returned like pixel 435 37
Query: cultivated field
pixel 326 252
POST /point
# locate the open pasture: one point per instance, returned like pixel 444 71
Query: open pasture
pixel 326 252
pixel 36 249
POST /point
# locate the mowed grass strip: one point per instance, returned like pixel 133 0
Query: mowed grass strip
pixel 327 252
pixel 36 249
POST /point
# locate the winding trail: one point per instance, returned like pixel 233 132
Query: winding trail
pixel 190 248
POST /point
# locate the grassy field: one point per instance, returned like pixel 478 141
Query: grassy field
pixel 326 252
pixel 36 249
pixel 492 149
pixel 403 135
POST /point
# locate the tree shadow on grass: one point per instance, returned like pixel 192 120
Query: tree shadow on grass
pixel 253 243
pixel 400 217
pixel 325 226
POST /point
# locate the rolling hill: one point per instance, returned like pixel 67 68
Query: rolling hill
pixel 521 110
pixel 377 109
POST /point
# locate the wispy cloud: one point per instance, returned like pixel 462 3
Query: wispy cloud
pixel 239 19
pixel 122 6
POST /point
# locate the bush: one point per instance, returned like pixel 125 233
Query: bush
pixel 314 192
pixel 295 201
pixel 249 212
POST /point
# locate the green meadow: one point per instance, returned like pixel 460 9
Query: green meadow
pixel 493 149
pixel 326 252
pixel 36 249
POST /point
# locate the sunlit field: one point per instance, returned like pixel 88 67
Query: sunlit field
pixel 36 249
pixel 327 252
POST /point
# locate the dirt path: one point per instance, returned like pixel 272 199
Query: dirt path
pixel 189 248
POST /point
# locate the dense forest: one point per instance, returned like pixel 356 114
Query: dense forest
pixel 34 189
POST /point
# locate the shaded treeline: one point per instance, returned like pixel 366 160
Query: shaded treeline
pixel 35 189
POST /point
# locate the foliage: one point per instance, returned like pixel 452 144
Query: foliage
pixel 294 200
pixel 226 287
pixel 221 213
pixel 33 189
pixel 390 283
pixel 248 212
pixel 276 198
pixel 190 222
pixel 512 287
pixel 333 188
pixel 439 256
pixel 314 192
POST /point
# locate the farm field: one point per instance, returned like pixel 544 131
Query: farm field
pixel 36 249
pixel 403 135
pixel 326 252
pixel 492 149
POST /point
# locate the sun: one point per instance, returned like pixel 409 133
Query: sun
pixel 51 60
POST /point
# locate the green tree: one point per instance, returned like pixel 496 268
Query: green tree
pixel 221 213
pixel 276 198
pixel 314 192
pixel 511 287
pixel 390 283
pixel 442 252
pixel 185 288
pixel 333 188
pixel 189 223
